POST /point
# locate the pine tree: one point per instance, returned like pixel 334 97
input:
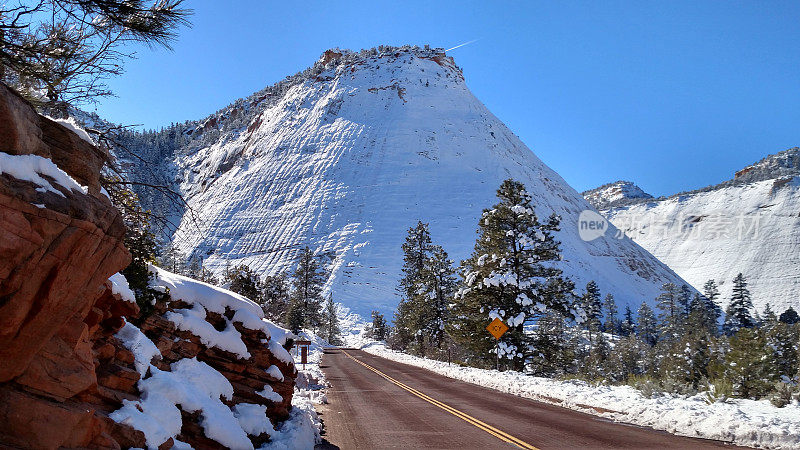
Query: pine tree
pixel 703 315
pixel 611 324
pixel 591 308
pixel 331 331
pixel 552 354
pixel 784 340
pixel 624 361
pixel 379 330
pixel 275 296
pixel 141 243
pixel 713 311
pixel 750 364
pixel 628 325
pixel 671 312
pixel 242 280
pixel 647 328
pixel 426 288
pixel 738 314
pixel 509 276
pixel 789 316
pixel 439 288
pixel 305 306
pixel 710 291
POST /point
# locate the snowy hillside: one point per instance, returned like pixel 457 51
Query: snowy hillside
pixel 618 193
pixel 749 224
pixel 349 154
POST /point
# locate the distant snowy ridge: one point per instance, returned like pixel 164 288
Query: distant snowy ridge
pixel 618 193
pixel 349 154
pixel 749 224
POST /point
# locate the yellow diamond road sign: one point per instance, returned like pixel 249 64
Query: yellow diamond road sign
pixel 497 328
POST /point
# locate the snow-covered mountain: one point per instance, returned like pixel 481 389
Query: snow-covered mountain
pixel 749 224
pixel 347 155
pixel 618 193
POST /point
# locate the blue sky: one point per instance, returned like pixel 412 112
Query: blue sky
pixel 672 95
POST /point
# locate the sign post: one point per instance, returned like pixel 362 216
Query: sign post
pixel 497 328
pixel 303 347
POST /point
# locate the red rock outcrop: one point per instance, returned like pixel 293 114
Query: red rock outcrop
pixel 62 369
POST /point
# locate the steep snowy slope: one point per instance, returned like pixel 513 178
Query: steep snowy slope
pixel 750 224
pixel 348 155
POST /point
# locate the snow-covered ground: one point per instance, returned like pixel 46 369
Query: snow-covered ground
pixel 744 422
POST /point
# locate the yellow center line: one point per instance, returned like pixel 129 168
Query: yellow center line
pixel 466 417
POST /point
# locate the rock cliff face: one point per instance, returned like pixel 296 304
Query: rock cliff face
pixel 65 365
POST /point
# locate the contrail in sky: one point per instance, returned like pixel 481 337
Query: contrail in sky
pixel 461 45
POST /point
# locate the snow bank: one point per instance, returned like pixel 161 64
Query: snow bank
pixel 300 431
pixel 31 167
pixel 744 422
pixel 119 285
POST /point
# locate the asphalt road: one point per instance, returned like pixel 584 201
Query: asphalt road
pixel 375 403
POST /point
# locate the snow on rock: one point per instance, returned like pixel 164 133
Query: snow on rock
pixel 253 418
pixel 345 157
pixel 143 349
pixel 214 349
pixel 194 321
pixel 614 194
pixel 119 286
pixel 194 386
pixel 744 422
pixel 71 124
pixel 32 167
pixel 274 372
pixel 269 394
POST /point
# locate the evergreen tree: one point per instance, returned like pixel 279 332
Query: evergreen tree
pixel 59 53
pixel 647 329
pixel 750 364
pixel 710 291
pixel 703 315
pixel 671 312
pixel 305 304
pixel 439 288
pixel 628 325
pixel 330 328
pixel 552 354
pixel 275 296
pixel 789 316
pixel 611 324
pixel 768 318
pixel 140 242
pixel 624 361
pixel 738 314
pixel 242 280
pixel 379 329
pixel 591 310
pixel 426 288
pixel 784 340
pixel 711 296
pixel 509 276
